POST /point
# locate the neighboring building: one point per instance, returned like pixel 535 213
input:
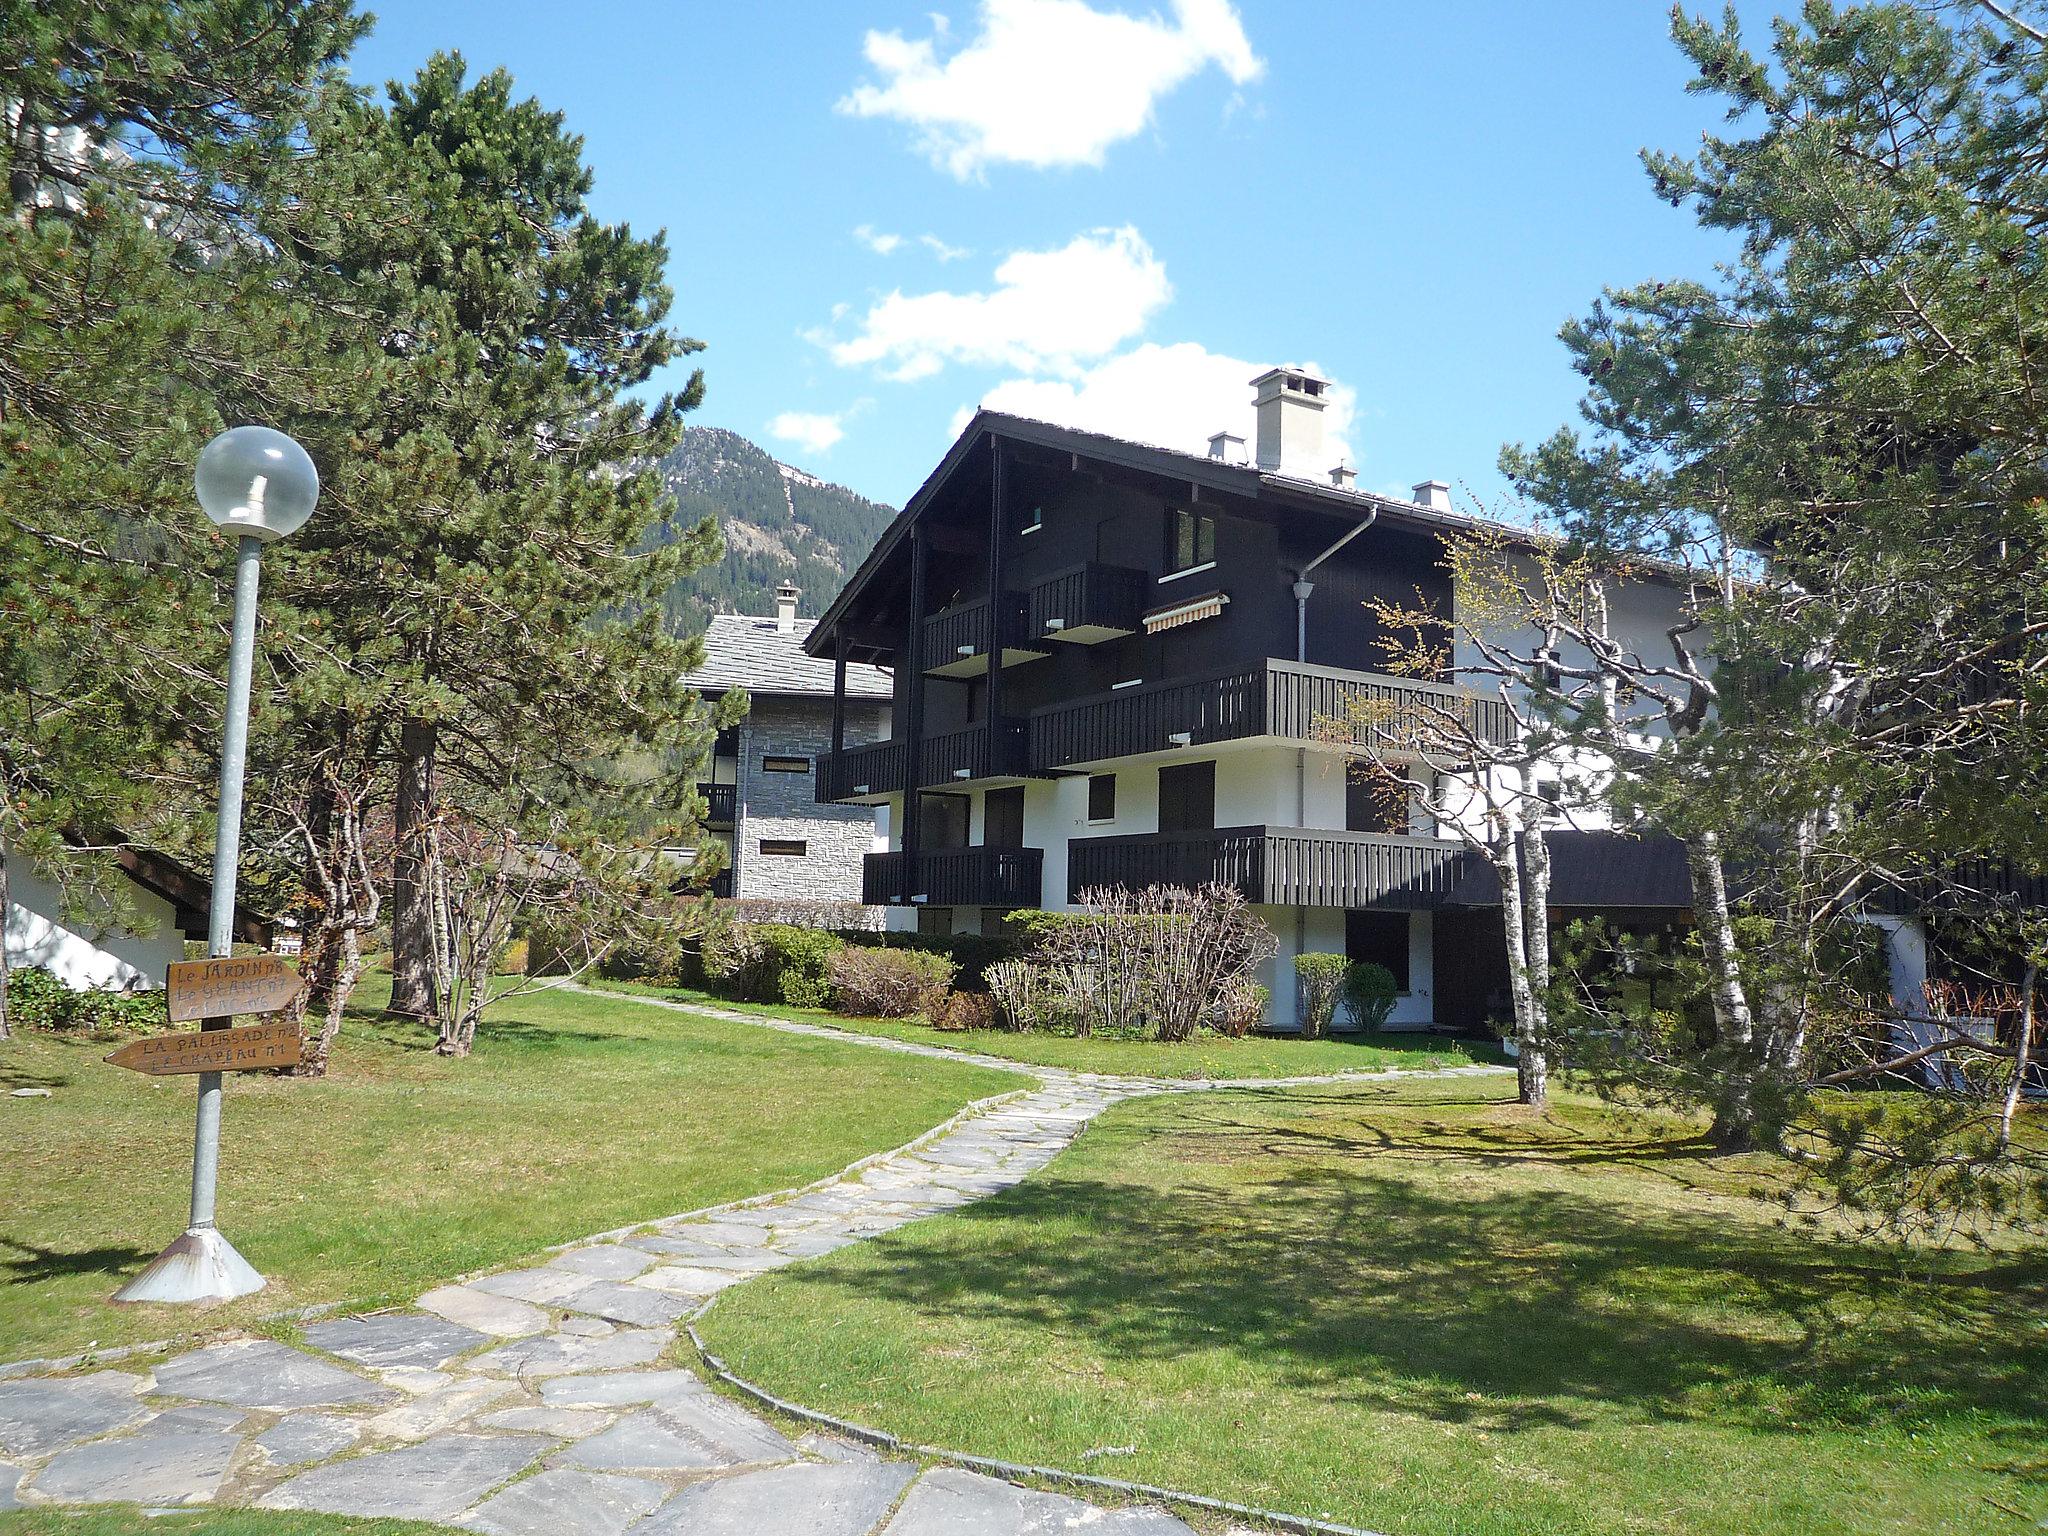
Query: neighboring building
pixel 782 843
pixel 165 904
pixel 1171 628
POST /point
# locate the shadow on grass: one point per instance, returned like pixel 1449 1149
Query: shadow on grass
pixel 27 1264
pixel 1445 1294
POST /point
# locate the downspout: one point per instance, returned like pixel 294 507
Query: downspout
pixel 1303 586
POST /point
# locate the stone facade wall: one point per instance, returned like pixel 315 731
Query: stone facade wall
pixel 784 805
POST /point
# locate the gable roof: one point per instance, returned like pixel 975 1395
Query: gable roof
pixel 1246 480
pixel 741 651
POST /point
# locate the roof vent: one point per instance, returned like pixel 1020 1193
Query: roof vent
pixel 1228 447
pixel 1288 403
pixel 1344 477
pixel 785 607
pixel 1434 494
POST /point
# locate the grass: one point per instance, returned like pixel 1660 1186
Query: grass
pixel 1209 1056
pixel 1417 1308
pixel 400 1169
pixel 129 1520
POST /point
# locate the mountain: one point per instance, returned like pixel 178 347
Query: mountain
pixel 778 522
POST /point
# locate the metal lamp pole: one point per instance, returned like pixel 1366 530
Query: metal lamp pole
pixel 261 484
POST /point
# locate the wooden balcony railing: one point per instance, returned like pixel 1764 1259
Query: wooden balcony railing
pixel 955 877
pixel 1269 698
pixel 958 757
pixel 959 640
pixel 1276 866
pixel 721 803
pixel 881 768
pixel 1088 603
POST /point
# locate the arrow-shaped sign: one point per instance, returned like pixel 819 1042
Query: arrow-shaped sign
pixel 260 1046
pixel 215 989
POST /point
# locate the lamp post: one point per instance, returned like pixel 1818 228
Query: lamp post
pixel 262 485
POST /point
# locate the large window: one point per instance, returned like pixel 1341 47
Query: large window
pixel 1381 937
pixel 1190 540
pixel 1375 801
pixel 1187 797
pixel 1002 818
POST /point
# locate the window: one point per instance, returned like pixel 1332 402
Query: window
pixel 1375 801
pixel 784 847
pixel 1381 937
pixel 1190 540
pixel 773 763
pixel 1033 520
pixel 1002 818
pixel 1187 797
pixel 1102 797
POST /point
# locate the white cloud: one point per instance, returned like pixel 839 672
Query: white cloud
pixel 1045 82
pixel 943 251
pixel 1173 396
pixel 812 431
pixel 880 244
pixel 1049 312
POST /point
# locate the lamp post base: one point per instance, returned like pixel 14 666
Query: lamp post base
pixel 200 1266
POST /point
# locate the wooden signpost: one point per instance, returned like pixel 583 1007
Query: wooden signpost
pixel 260 1046
pixel 215 989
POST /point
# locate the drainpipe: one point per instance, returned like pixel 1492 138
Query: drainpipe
pixel 1303 586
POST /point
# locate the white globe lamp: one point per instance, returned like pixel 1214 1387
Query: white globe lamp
pixel 258 482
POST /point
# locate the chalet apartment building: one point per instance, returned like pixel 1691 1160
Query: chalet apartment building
pixel 781 841
pixel 1109 662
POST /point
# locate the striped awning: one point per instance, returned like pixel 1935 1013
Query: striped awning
pixel 1187 611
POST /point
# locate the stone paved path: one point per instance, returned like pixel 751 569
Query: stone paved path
pixel 539 1402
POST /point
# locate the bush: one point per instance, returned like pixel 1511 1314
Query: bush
pixel 971 953
pixel 1320 978
pixel 962 1010
pixel 1369 994
pixel 512 961
pixel 1242 1009
pixel 1033 995
pixel 772 963
pixel 887 983
pixel 36 999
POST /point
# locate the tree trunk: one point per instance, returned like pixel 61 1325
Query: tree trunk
pixel 412 915
pixel 1533 1062
pixel 2020 1047
pixel 6 899
pixel 1532 1072
pixel 1735 1119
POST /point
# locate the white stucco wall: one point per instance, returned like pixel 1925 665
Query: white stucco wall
pixel 84 953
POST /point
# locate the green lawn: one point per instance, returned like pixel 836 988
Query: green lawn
pixel 576 1114
pixel 129 1520
pixel 1209 1056
pixel 1416 1308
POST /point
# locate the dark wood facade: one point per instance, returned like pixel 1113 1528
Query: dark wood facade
pixel 1276 866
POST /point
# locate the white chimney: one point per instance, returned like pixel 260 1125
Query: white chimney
pixel 785 607
pixel 1344 477
pixel 1289 405
pixel 1433 494
pixel 1227 446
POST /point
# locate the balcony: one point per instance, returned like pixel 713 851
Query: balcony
pixel 954 877
pixel 721 803
pixel 1088 604
pixel 1269 698
pixel 869 774
pixel 966 755
pixel 1277 866
pixel 958 640
pixel 720 885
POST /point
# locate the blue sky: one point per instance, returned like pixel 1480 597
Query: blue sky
pixel 1113 212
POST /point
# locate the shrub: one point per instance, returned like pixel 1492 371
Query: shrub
pixel 1242 1008
pixel 887 983
pixel 37 999
pixel 1369 993
pixel 971 953
pixel 772 963
pixel 1320 978
pixel 1033 995
pixel 512 961
pixel 962 1010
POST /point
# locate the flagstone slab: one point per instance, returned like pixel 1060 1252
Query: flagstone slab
pixel 562 1502
pixel 435 1480
pixel 300 1438
pixel 568 1356
pixel 953 1502
pixel 395 1339
pixel 542 1286
pixel 805 1499
pixel 10 1480
pixel 192 1419
pixel 39 1414
pixel 503 1316
pixel 435 1411
pixel 624 1303
pixel 139 1469
pixel 606 1261
pixel 561 1423
pixel 413 1379
pixel 689 1280
pixel 586 1327
pixel 261 1373
pixel 694 1432
pixel 618 1388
